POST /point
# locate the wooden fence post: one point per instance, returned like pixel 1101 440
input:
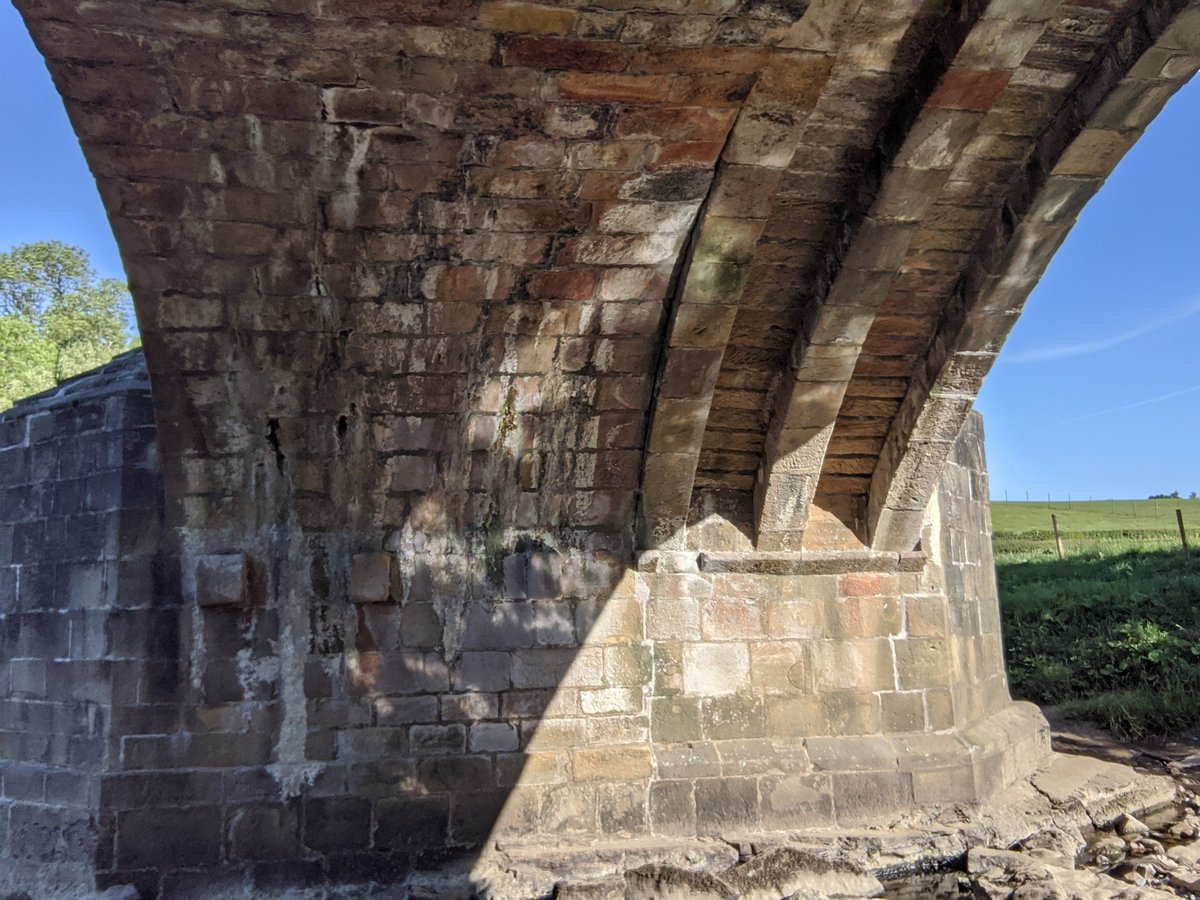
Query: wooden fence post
pixel 1182 530
pixel 1057 536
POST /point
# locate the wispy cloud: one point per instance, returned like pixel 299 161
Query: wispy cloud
pixel 1114 409
pixel 1061 351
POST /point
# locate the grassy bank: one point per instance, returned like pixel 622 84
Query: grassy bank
pixel 1112 633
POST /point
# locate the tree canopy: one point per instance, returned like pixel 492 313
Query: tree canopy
pixel 57 318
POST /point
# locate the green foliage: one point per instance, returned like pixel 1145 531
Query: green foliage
pixel 1111 636
pixel 57 319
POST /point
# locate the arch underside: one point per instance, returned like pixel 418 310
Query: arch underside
pixel 727 272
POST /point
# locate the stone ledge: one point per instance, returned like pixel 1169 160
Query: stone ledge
pixel 772 562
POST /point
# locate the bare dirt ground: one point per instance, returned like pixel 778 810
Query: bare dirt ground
pixel 1178 757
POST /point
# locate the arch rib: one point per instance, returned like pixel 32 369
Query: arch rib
pixel 1116 104
pixel 829 346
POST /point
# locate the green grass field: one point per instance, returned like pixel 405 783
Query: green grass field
pixel 1095 515
pixel 1111 633
pixel 1112 525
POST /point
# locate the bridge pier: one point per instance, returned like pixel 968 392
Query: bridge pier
pixel 450 309
pixel 170 721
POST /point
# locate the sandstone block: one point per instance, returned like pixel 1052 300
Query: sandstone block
pixel 336 823
pixel 795 716
pixel 492 737
pixel 411 823
pixel 726 804
pixel 372 578
pixel 526 18
pixel 672 807
pixel 622 808
pixel 863 665
pixel 570 809
pixel 863 797
pixel 264 833
pixel 612 763
pixel 223 580
pixel 715 669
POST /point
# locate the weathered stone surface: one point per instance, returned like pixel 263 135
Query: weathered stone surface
pixel 663 881
pixel 512 291
pixel 785 872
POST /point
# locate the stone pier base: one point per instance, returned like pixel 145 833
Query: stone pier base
pixel 179 710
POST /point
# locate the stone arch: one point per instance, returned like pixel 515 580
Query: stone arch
pixel 1118 99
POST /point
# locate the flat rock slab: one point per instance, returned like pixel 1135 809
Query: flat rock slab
pixel 1102 790
pixel 786 871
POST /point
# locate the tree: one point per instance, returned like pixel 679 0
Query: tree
pixel 57 318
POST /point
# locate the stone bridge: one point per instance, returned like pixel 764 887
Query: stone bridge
pixel 559 429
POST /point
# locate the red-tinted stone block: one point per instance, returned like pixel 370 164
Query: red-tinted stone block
pixel 549 53
pixel 564 284
pixel 372 577
pixel 970 89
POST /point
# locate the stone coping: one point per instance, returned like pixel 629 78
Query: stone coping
pixel 125 373
pixel 768 562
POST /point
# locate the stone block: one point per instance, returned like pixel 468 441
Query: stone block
pixel 694 759
pixel 469 707
pixel 482 670
pixel 797 801
pixel 570 809
pixel 863 797
pixel 732 716
pixel 450 774
pixel 673 618
pixel 473 815
pixel 675 719
pixel 726 804
pixel 795 618
pixel 863 617
pixel 724 620
pixel 902 711
pixel 554 734
pixel 437 740
pixel 612 763
pixel 526 18
pixel 533 575
pixel 781 667
pixel 264 833
pixel 630 665
pixel 622 808
pixel 412 823
pixel 850 712
pixel 372 578
pixel 852 754
pixel 862 665
pixel 492 737
pixel 529 769
pixel 923 663
pixel 795 716
pixel 672 807
pixel 223 580
pixel 169 838
pixel 603 701
pixel 715 669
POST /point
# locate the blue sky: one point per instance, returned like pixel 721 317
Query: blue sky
pixel 1097 392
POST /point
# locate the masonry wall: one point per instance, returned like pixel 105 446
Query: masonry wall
pixel 88 622
pixel 224 723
